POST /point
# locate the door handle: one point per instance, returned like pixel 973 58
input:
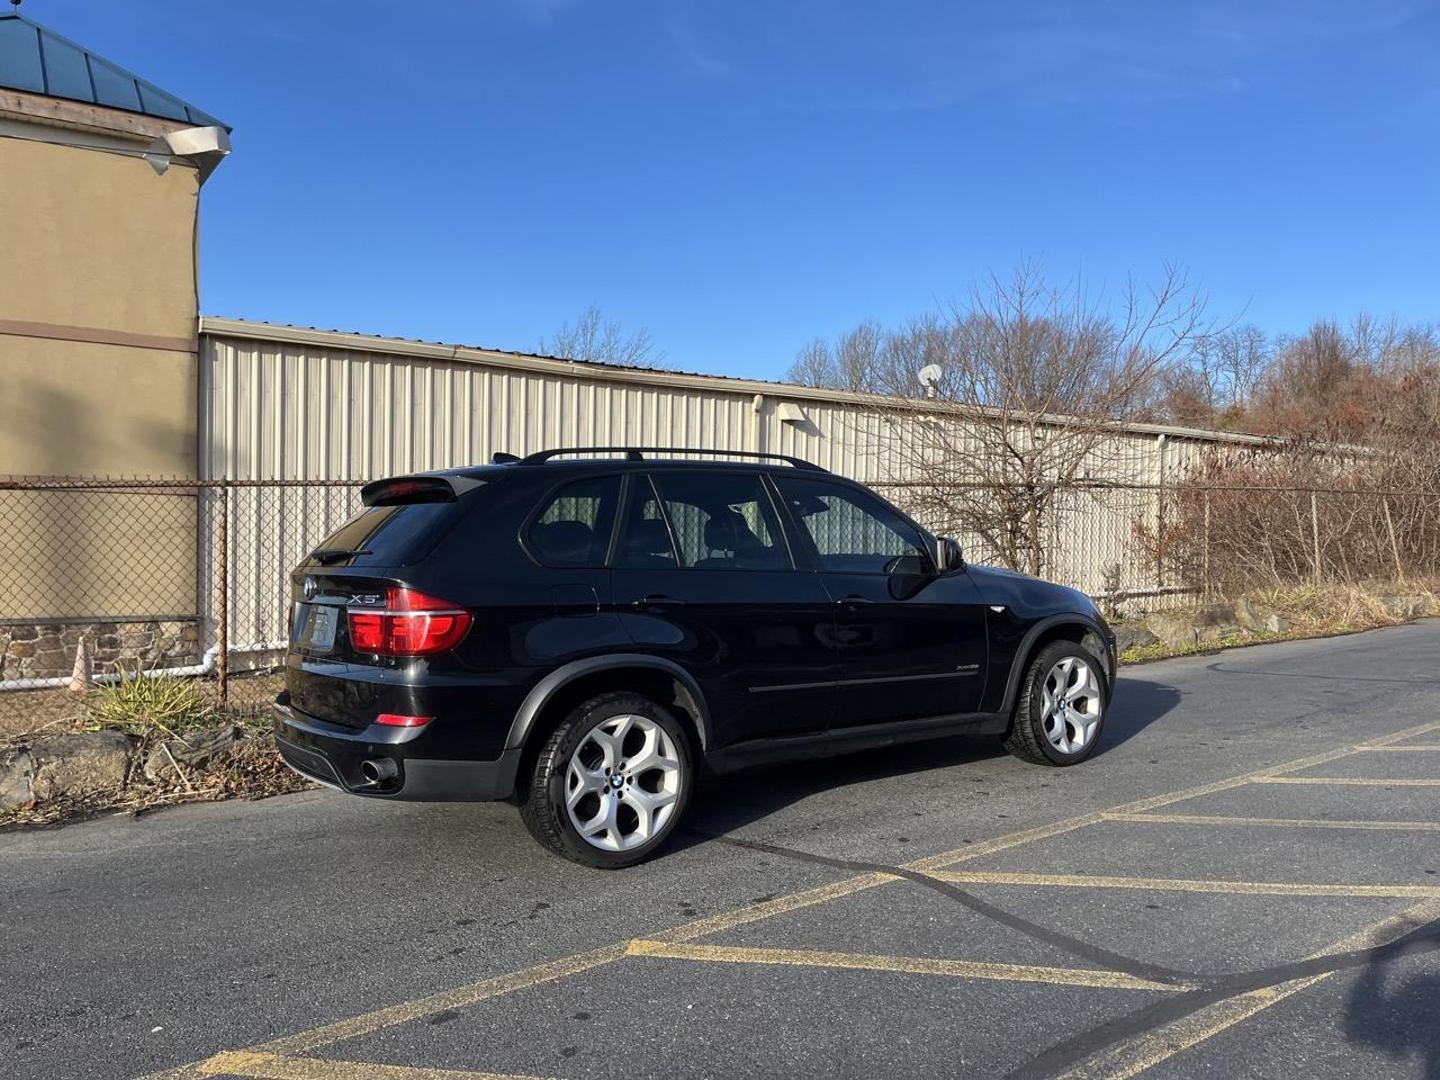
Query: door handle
pixel 854 599
pixel 656 600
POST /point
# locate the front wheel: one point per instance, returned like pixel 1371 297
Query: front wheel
pixel 1060 709
pixel 610 783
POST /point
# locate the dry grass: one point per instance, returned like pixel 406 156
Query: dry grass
pixel 251 769
pixel 29 714
pixel 153 709
pixel 26 715
pixel 141 704
pixel 1336 608
pixel 1314 611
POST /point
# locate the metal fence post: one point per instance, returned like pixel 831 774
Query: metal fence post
pixel 222 641
pixel 1160 443
pixel 1205 574
pixel 1315 531
pixel 1394 547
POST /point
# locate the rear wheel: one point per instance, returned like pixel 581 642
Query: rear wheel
pixel 610 783
pixel 1060 709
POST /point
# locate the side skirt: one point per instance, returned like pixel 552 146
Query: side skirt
pixel 850 740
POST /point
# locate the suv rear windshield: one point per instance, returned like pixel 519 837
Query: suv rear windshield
pixel 387 535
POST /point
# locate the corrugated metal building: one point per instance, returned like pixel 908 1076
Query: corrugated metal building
pixel 291 404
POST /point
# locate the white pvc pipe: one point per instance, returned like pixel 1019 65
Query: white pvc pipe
pixel 205 667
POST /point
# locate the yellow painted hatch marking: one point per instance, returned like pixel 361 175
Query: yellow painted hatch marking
pixel 1144 1051
pixel 1348 781
pixel 258 1066
pixel 1244 888
pixel 460 997
pixel 1289 823
pixel 908 965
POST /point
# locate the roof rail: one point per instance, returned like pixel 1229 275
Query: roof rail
pixel 637 453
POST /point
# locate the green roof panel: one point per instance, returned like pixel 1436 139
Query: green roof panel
pixel 36 59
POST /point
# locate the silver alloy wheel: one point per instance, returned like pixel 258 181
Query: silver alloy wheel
pixel 622 782
pixel 1071 705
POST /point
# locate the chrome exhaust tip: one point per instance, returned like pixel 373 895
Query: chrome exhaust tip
pixel 378 771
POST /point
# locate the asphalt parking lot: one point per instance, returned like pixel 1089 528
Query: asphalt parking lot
pixel 1245 881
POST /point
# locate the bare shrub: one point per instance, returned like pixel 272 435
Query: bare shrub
pixel 1297 514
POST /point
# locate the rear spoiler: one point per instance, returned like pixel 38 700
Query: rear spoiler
pixel 425 488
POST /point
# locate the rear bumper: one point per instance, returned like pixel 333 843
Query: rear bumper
pixel 332 756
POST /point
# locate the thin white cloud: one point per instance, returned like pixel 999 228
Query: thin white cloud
pixel 687 47
pixel 543 11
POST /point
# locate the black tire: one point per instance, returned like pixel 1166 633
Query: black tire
pixel 1026 738
pixel 543 809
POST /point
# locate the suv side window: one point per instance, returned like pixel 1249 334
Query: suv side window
pixel 573 527
pixel 723 521
pixel 644 535
pixel 853 531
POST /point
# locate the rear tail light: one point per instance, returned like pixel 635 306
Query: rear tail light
pixel 412 624
pixel 391 719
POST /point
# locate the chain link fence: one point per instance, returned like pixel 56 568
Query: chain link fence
pixel 139 576
pixel 191 577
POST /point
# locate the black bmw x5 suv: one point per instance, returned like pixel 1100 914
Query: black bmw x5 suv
pixel 585 631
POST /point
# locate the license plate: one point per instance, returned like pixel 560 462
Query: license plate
pixel 320 626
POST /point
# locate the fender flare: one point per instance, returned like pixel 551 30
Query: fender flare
pixel 543 691
pixel 1027 644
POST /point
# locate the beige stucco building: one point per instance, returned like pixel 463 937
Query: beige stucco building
pixel 100 177
pixel 100 180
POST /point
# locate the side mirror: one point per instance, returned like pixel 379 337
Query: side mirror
pixel 948 556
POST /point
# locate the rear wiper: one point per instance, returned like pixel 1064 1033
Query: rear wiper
pixel 325 555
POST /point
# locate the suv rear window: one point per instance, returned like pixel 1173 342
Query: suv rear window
pixel 387 535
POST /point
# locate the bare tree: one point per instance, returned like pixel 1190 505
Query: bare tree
pixel 853 362
pixel 594 338
pixel 1216 387
pixel 814 365
pixel 1242 355
pixel 1034 379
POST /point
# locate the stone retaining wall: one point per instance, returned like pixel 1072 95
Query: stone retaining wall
pixel 42 650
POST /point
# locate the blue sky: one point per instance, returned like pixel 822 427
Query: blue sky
pixel 743 177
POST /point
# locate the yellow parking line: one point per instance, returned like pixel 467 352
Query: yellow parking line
pixel 1243 888
pixel 1001 843
pixel 1347 781
pixel 1400 736
pixel 460 997
pixel 1160 1044
pixel 256 1066
pixel 974 851
pixel 1289 823
pixel 768 909
pixel 907 965
pixel 1418 748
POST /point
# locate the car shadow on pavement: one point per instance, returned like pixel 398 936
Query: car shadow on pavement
pixel 724 804
pixel 1138 704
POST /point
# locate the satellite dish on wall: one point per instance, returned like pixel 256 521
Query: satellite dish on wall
pixel 930 376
